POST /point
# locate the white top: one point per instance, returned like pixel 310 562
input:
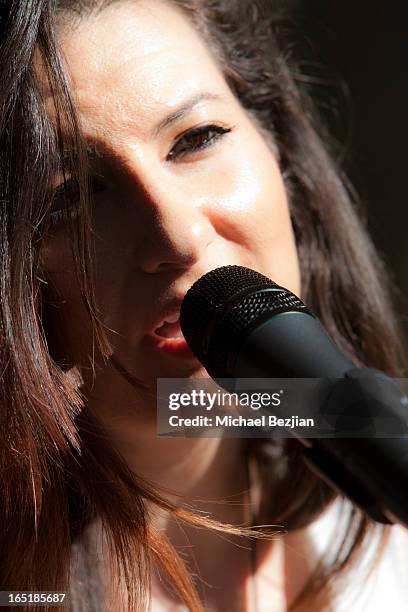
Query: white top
pixel 387 587
pixel 385 591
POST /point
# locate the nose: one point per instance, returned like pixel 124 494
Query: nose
pixel 176 229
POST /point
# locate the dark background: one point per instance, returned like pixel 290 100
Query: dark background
pixel 362 51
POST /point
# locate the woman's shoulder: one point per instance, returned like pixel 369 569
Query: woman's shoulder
pixel 387 586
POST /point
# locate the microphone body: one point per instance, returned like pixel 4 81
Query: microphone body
pixel 240 324
pixel 291 343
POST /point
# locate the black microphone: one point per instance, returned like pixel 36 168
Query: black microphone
pixel 240 324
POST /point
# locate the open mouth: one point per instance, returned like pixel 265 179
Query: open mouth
pixel 168 339
pixel 170 328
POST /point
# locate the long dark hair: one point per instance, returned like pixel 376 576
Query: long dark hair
pixel 50 445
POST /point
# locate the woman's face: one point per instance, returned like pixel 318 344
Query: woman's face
pixel 187 184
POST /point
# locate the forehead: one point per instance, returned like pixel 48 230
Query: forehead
pixel 136 56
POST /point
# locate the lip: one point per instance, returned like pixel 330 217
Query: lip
pixel 173 347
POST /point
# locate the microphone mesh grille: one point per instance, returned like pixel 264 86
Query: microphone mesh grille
pixel 230 300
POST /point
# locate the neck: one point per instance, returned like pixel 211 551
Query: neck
pixel 188 468
pixel 201 472
pixel 207 474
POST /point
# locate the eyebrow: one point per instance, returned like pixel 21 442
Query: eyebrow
pixel 91 150
pixel 183 109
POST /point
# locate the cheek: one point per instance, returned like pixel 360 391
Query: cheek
pixel 273 231
pixel 249 206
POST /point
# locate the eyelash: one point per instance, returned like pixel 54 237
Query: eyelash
pixel 199 131
pixel 70 187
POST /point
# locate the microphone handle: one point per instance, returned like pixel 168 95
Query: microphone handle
pixel 290 344
pixel 371 471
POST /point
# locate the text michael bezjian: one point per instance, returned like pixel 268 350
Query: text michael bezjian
pixel 240 421
pixel 263 421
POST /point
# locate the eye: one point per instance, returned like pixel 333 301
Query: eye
pixel 196 140
pixel 67 194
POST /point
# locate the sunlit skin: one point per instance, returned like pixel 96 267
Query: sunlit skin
pixel 161 220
